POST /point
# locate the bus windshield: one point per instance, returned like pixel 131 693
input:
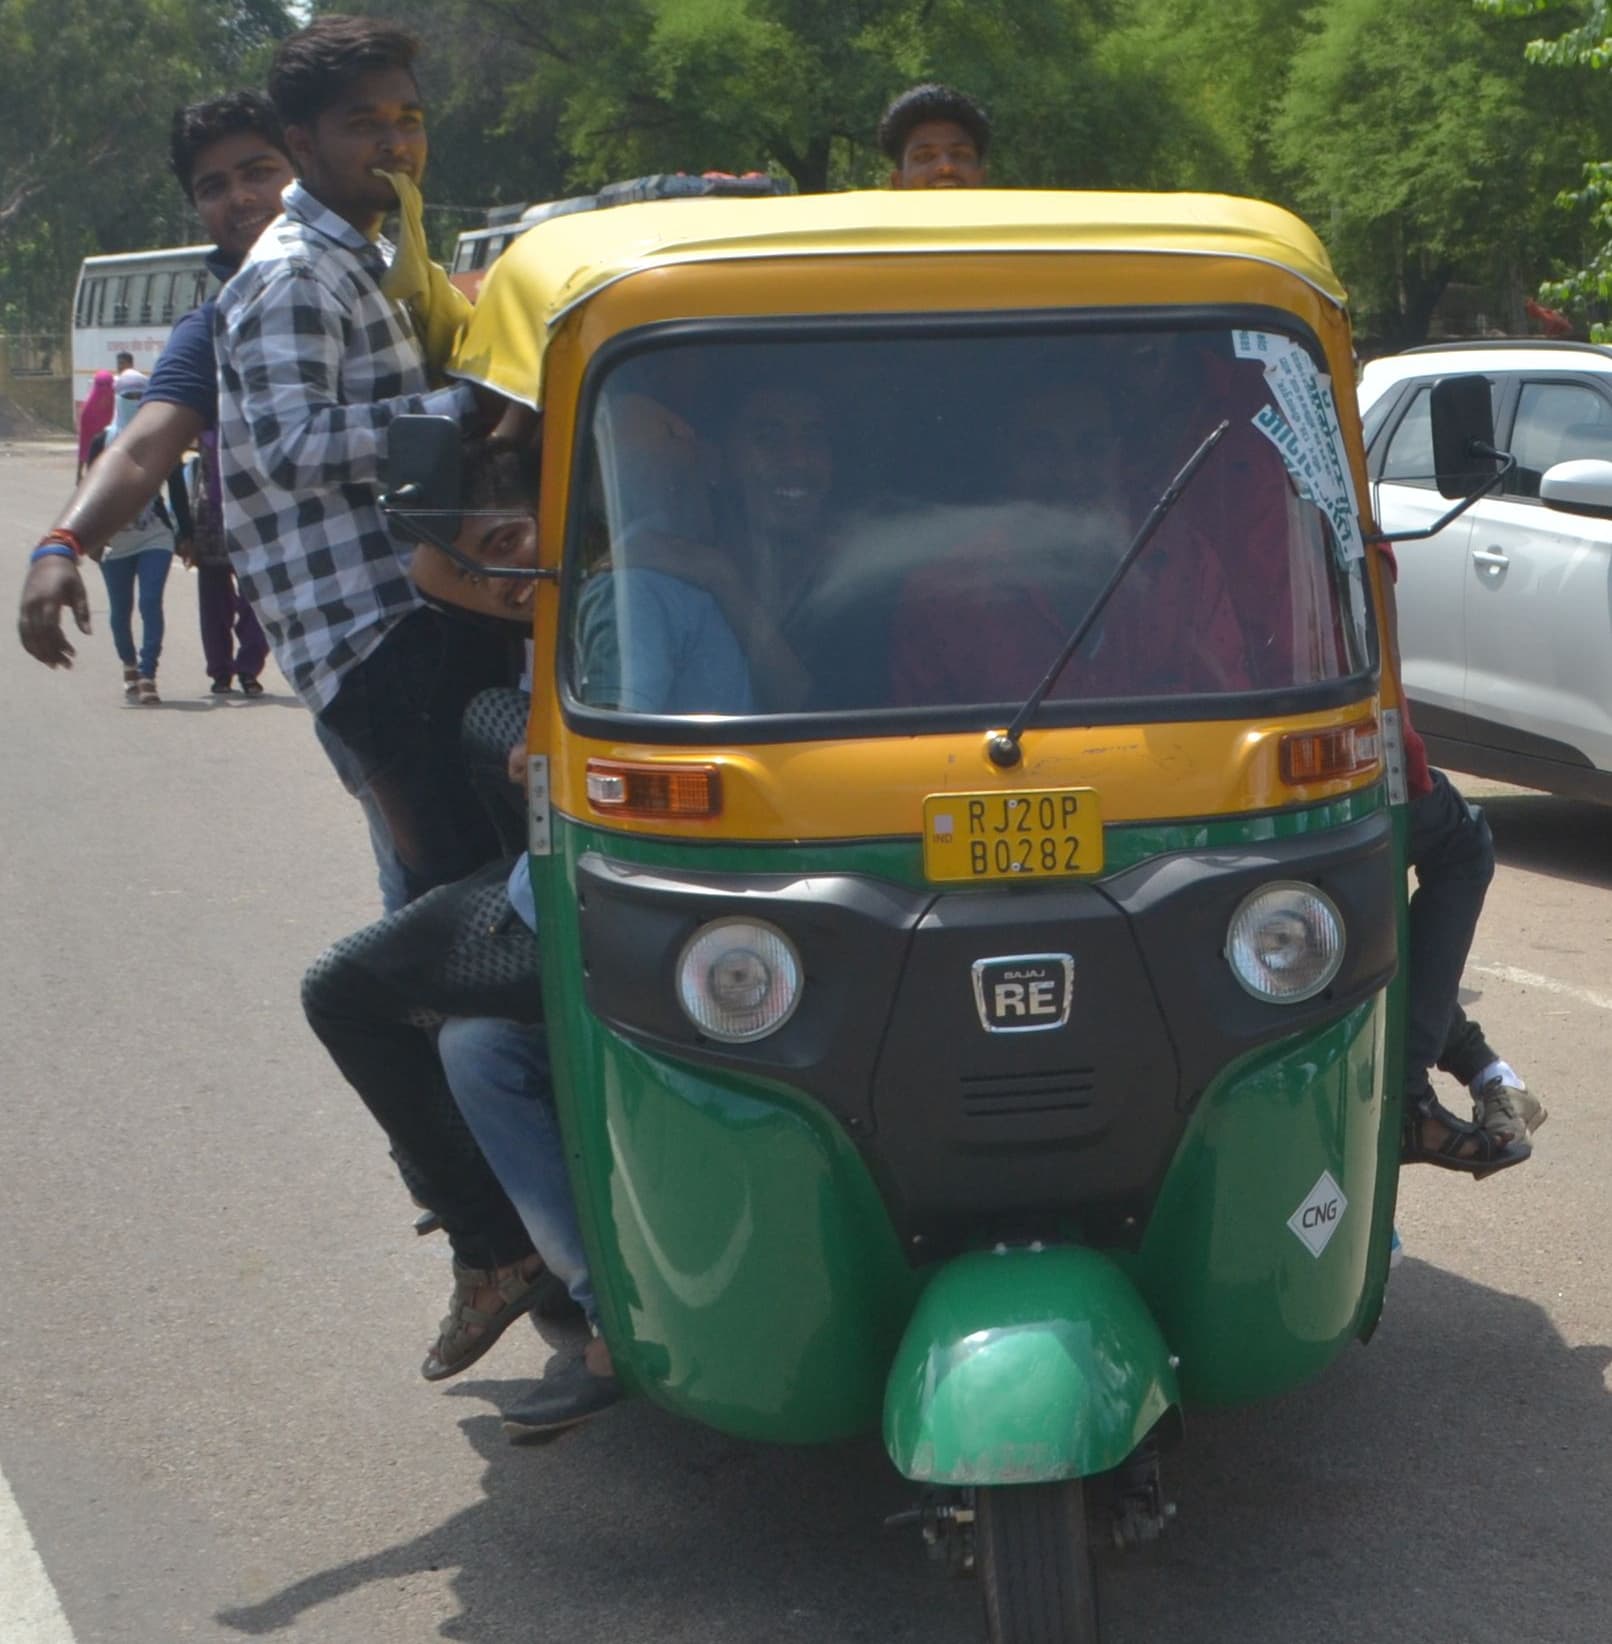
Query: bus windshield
pixel 920 522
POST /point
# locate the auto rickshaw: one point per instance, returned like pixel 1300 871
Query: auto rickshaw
pixel 966 822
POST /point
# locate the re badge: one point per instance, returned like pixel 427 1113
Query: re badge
pixel 1025 992
pixel 1317 1219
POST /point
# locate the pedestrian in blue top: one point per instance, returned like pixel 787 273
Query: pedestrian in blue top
pixel 230 158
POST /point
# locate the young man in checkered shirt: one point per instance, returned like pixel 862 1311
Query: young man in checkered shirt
pixel 315 362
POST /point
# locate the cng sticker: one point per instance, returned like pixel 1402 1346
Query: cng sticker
pixel 1317 1219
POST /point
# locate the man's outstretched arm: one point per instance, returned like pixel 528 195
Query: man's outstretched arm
pixel 130 472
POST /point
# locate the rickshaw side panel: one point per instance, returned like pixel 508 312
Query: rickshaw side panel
pixel 748 1275
pixel 1256 1258
pixel 1393 1105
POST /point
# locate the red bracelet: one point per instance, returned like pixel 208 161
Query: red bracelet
pixel 60 533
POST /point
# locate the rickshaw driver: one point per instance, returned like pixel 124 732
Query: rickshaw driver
pixel 757 556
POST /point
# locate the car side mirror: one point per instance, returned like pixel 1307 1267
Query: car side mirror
pixel 423 455
pixel 1583 486
pixel 1463 435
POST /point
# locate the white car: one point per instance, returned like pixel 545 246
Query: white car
pixel 1506 614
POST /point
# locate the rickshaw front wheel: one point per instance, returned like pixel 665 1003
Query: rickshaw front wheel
pixel 1035 1563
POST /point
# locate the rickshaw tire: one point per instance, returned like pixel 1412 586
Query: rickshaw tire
pixel 1035 1563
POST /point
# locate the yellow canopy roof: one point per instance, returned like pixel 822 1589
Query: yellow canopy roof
pixel 560 263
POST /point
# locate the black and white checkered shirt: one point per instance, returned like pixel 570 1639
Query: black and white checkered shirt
pixel 314 362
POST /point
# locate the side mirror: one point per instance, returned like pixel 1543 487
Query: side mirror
pixel 423 456
pixel 1583 486
pixel 1463 435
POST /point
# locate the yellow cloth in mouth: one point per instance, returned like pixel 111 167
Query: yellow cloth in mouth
pixel 440 310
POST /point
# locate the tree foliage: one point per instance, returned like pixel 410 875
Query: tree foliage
pixel 1587 44
pixel 1408 135
pixel 1415 134
pixel 89 87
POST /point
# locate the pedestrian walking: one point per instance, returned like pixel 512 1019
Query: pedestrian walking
pixel 135 566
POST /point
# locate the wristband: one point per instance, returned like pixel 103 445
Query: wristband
pixel 69 539
pixel 51 550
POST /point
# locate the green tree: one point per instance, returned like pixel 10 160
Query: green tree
pixel 89 87
pixel 1224 69
pixel 1587 45
pixel 1410 139
pixel 631 86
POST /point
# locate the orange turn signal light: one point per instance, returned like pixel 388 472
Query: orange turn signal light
pixel 676 792
pixel 1325 756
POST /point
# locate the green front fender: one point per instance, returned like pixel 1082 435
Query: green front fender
pixel 1023 1366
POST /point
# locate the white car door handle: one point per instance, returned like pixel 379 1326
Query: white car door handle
pixel 1491 559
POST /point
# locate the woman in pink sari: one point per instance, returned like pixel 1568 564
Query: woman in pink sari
pixel 94 415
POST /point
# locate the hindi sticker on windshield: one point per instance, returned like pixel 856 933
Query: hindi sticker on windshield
pixel 1302 423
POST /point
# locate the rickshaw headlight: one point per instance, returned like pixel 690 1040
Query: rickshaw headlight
pixel 738 979
pixel 1286 942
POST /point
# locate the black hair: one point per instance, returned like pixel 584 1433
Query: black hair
pixel 314 66
pixel 920 104
pixel 199 124
pixel 493 475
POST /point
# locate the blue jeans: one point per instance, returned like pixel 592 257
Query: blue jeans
pixel 392 732
pixel 394 881
pixel 499 1074
pixel 149 568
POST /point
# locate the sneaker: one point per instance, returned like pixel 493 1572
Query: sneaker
pixel 1396 1248
pixel 131 683
pixel 1511 1112
pixel 251 687
pixel 146 693
pixel 221 687
pixel 564 1398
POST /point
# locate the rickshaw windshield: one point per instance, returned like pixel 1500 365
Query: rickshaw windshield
pixel 852 524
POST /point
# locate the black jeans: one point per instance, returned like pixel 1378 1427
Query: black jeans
pixel 392 733
pixel 1452 851
pixel 373 999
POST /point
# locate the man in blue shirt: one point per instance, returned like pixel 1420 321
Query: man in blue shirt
pixel 229 156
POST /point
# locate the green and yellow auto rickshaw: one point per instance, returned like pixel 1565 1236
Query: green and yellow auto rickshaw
pixel 966 825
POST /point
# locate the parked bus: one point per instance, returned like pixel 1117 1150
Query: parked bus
pixel 127 304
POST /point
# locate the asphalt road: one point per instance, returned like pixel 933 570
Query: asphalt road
pixel 212 1306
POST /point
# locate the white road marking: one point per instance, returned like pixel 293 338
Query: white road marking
pixel 30 1612
pixel 1545 984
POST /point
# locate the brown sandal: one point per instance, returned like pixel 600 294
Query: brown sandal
pixel 1465 1147
pixel 467 1332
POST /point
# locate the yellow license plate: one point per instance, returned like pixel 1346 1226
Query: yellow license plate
pixel 1036 833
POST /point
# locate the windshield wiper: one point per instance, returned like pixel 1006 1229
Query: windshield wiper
pixel 1004 749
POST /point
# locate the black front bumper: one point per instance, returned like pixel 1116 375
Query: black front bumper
pixel 973 1132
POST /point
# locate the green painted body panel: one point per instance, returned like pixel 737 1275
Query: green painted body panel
pixel 1024 1366
pixel 1393 1110
pixel 747 1273
pixel 1241 1299
pixel 749 1276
